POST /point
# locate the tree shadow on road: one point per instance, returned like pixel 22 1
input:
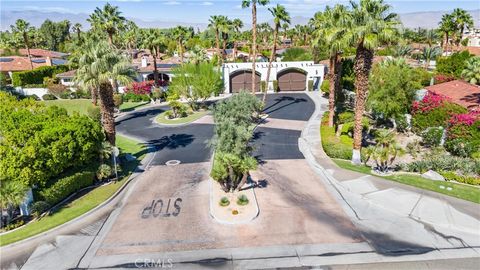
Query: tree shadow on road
pixel 270 109
pixel 140 114
pixel 173 141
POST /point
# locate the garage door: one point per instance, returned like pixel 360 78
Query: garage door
pixel 242 80
pixel 292 80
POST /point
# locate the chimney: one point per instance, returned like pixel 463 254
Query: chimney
pixel 144 61
pixel 48 61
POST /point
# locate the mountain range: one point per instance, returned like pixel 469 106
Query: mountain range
pixel 427 19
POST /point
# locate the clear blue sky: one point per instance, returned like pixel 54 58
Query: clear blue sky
pixel 200 10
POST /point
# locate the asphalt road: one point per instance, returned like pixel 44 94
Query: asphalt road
pixel 189 143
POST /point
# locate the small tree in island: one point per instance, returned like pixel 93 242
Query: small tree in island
pixel 234 124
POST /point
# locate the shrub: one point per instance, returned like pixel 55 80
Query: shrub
pixel 158 94
pixel 242 200
pixel 275 86
pixel 452 176
pixel 37 75
pixel 94 113
pixel 38 208
pixel 56 89
pixel 32 85
pixel 140 88
pixel 136 97
pixel 335 147
pixel 325 86
pixel 442 78
pixel 463 136
pixel 224 201
pixel 465 166
pixel 345 117
pixel 461 147
pixel 14 225
pixel 49 97
pixel 414 148
pixel 66 186
pixel 169 115
pixel 117 100
pixel 453 64
pixel 432 136
pixel 66 95
pixel 104 172
pixel 263 86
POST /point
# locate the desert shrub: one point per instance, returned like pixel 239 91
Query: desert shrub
pixel 432 136
pixel 37 75
pixel 345 117
pixel 242 200
pixel 38 208
pixel 224 201
pixel 66 186
pixel 465 166
pixel 49 97
pixel 117 100
pixel 104 172
pixel 347 128
pixel 466 179
pixel 414 148
pixel 461 147
pixel 94 113
pixel 275 85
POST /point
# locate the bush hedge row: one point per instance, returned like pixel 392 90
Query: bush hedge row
pixel 66 186
pixel 36 76
pixel 335 147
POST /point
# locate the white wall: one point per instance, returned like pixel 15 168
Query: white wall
pixel 32 91
pixel 314 72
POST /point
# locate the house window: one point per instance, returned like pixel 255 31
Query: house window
pixel 67 80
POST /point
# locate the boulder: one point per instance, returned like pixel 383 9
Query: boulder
pixel 433 175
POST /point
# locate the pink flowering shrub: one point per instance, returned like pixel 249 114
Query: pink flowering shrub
pixel 442 78
pixel 429 102
pixel 140 88
pixel 465 118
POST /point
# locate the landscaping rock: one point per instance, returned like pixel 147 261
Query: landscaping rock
pixel 433 175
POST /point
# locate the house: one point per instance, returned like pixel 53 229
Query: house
pixel 66 78
pixel 460 92
pixel 39 53
pixel 289 76
pixel 10 64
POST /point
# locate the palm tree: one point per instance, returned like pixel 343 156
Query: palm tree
pixel 215 22
pixel 253 3
pixel 280 15
pixel 462 19
pixel 197 55
pixel 429 53
pixel 447 27
pixel 77 28
pixel 108 19
pixel 99 66
pixel 12 195
pixel 21 28
pixel 471 73
pixel 225 28
pixel 329 30
pixel 153 41
pixel 370 26
pixel 237 25
pixel 180 34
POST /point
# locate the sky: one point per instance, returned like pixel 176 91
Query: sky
pixel 199 11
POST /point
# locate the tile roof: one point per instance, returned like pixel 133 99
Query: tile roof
pixel 41 53
pixel 20 63
pixel 460 92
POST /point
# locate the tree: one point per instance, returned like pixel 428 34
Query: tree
pixel 154 42
pixel 197 55
pixel 329 31
pixel 216 22
pixel 77 28
pixel 21 28
pixel 453 64
pixel 237 25
pixel 471 72
pixel 225 28
pixel 54 33
pixel 429 53
pixel 370 25
pixel 391 95
pixel 180 34
pixel 196 82
pixel 462 19
pixel 234 124
pixel 280 15
pixel 384 151
pixel 108 19
pixel 100 65
pixel 253 3
pixel 447 27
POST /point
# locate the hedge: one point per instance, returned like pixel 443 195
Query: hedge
pixel 335 147
pixel 36 76
pixel 66 186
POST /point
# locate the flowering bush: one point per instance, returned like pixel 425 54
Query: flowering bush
pixel 463 136
pixel 465 118
pixel 442 78
pixel 140 88
pixel 429 102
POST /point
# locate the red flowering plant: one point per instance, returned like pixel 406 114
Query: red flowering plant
pixel 429 102
pixel 140 88
pixel 442 78
pixel 465 118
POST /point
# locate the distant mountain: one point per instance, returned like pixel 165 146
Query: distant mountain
pixel 36 18
pixel 427 19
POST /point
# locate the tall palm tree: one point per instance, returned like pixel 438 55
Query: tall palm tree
pixel 280 15
pixel 180 34
pixel 237 25
pixel 447 27
pixel 153 41
pixel 77 28
pixel 253 4
pixel 462 20
pixel 370 26
pixel 329 30
pixel 215 23
pixel 108 19
pixel 99 66
pixel 429 53
pixel 21 28
pixel 225 28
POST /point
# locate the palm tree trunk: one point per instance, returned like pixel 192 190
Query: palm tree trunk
pixel 181 52
pixel 25 39
pixel 224 48
pixel 94 94
pixel 110 39
pixel 155 71
pixel 217 43
pixel 234 51
pixel 362 66
pixel 107 108
pixel 272 56
pixel 254 45
pixel 332 77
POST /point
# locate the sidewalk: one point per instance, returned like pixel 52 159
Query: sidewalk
pixel 370 200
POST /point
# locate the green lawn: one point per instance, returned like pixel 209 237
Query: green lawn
pixel 81 105
pixel 183 120
pixel 464 192
pixel 82 204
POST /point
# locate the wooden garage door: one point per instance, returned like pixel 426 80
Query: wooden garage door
pixel 242 80
pixel 292 80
